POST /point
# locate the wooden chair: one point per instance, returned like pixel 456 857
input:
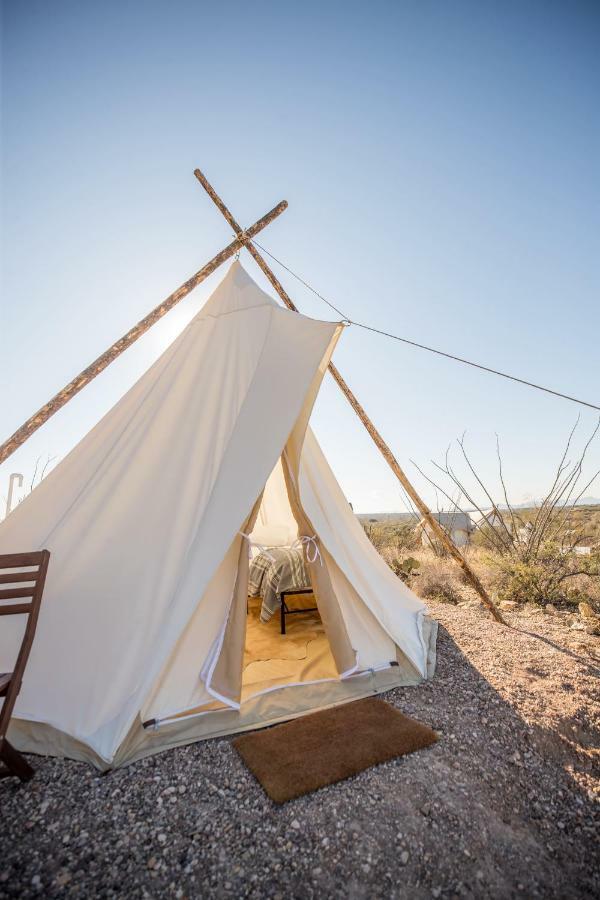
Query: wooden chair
pixel 26 583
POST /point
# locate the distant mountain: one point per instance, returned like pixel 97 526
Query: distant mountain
pixel 530 504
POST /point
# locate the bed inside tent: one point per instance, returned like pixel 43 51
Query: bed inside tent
pixel 282 649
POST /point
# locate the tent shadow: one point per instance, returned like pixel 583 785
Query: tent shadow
pixel 595 670
pixel 510 780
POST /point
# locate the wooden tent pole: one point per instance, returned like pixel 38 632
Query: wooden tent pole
pixel 387 454
pixel 249 246
pixel 435 526
pixel 59 400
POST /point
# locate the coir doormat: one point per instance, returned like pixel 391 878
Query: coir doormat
pixel 327 746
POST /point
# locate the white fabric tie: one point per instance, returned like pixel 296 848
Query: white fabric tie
pixel 312 550
pixel 260 547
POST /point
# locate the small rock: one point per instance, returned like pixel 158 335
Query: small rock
pixel 404 857
pixel 550 609
pixel 295 824
pixel 508 604
pixel 63 878
pixel 586 610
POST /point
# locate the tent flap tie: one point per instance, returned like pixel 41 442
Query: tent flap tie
pixel 310 545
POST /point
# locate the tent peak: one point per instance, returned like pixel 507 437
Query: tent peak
pixel 237 291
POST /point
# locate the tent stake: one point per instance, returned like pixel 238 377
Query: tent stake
pixel 387 454
pixel 42 415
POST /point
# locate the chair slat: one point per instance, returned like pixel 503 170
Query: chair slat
pixel 15 609
pixel 19 560
pixel 10 577
pixel 11 593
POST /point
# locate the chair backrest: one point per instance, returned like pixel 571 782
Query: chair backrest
pixel 22 579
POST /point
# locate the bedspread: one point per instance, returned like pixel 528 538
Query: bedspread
pixel 279 569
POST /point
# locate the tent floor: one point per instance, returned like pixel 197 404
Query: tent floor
pixel 272 659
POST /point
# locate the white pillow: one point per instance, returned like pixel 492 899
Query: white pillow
pixel 273 535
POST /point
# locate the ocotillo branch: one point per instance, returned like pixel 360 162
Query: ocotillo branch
pixel 387 454
pixel 42 415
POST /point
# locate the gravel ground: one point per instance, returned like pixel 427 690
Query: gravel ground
pixel 502 806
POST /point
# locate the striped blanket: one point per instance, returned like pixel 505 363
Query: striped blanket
pixel 284 571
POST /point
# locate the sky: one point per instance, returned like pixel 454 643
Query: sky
pixel 440 162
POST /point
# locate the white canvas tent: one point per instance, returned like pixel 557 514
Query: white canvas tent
pixel 142 628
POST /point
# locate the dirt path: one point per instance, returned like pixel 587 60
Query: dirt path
pixel 502 806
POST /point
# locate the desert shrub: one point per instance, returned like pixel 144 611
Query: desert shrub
pixel 533 553
pixel 442 590
pixel 438 578
pixel 551 575
pixel 391 541
pixel 406 537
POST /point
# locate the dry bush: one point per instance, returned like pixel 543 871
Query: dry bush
pixel 438 578
pixel 392 541
pixel 531 553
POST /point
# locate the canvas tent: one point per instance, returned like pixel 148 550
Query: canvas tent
pixel 142 629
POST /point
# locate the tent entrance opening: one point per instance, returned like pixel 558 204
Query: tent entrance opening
pixel 278 567
pixel 273 659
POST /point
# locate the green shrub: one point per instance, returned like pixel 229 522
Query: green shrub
pixel 545 577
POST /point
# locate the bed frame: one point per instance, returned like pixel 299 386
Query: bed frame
pixel 290 612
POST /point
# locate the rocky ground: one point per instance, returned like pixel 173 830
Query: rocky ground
pixel 502 806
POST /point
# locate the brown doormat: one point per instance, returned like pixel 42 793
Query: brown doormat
pixel 327 746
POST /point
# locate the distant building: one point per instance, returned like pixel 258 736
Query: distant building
pixel 457 524
pixel 489 517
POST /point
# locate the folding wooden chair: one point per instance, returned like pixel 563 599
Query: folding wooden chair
pixel 25 579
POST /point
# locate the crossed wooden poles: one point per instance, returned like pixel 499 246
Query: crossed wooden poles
pixel 243 238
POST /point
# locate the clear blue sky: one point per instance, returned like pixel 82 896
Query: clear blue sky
pixel 441 165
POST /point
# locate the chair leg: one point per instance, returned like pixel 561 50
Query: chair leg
pixel 16 763
pixel 282 607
